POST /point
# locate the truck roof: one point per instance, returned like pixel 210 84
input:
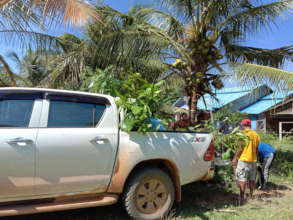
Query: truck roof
pixel 54 90
pixel 44 93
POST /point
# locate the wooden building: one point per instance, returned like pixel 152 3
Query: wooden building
pixel 268 110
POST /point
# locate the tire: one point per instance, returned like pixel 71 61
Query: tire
pixel 149 194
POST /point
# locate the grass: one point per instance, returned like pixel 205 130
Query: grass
pixel 207 201
pixel 216 203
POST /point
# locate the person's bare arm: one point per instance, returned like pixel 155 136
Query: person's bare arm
pixel 237 156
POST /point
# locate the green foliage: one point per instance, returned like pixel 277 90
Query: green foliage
pixel 102 81
pixel 268 137
pixel 229 143
pixel 226 143
pixel 224 176
pixel 231 117
pixel 140 102
pixel 138 99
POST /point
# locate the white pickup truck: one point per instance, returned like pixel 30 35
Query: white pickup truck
pixel 63 150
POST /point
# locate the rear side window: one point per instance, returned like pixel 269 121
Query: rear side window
pixel 73 114
pixel 15 113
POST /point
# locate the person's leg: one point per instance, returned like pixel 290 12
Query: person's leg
pixel 260 173
pixel 241 177
pixel 252 176
pixel 251 187
pixel 263 171
pixel 267 165
pixel 242 187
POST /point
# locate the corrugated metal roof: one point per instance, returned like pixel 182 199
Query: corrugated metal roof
pixel 266 102
pixel 224 97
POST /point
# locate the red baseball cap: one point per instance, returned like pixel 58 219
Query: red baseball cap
pixel 246 122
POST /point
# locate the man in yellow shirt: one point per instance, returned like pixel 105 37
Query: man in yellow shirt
pixel 247 157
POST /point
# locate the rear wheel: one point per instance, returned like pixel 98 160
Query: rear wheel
pixel 149 194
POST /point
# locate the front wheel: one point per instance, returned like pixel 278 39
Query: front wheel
pixel 149 194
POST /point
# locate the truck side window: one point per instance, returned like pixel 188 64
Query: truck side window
pixel 73 114
pixel 99 111
pixel 15 113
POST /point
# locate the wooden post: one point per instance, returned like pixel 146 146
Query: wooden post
pixel 280 130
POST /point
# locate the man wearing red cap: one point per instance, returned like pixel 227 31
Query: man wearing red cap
pixel 247 157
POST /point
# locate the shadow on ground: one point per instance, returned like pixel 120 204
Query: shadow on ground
pixel 197 199
pixel 114 212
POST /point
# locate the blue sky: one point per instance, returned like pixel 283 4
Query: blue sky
pixel 277 37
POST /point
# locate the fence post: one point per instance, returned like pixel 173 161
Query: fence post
pixel 280 130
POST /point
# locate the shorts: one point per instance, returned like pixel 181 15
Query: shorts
pixel 245 171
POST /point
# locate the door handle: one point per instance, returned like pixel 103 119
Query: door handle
pixel 20 141
pixel 99 139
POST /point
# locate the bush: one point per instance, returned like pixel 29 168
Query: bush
pixel 224 176
pixel 268 137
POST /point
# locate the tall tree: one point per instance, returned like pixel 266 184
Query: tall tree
pixel 34 68
pixel 120 40
pixel 206 35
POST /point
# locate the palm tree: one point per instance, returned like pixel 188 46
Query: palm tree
pixel 19 19
pixel 34 68
pixel 207 35
pixel 119 40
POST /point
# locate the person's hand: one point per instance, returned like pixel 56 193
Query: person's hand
pixel 234 162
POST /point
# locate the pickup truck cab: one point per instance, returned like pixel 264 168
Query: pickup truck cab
pixel 63 150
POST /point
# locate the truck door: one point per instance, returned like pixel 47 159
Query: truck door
pixel 19 115
pixel 77 145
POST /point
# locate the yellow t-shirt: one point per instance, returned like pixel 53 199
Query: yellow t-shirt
pixel 249 153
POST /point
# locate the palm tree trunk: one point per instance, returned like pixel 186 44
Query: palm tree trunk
pixel 193 107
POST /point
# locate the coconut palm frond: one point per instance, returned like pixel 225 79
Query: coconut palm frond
pixel 214 12
pixel 75 12
pixel 162 20
pixel 189 9
pixel 67 67
pixel 275 57
pixel 11 75
pixel 4 2
pixel 18 15
pixel 253 74
pixel 249 21
pixel 25 39
pixel 129 33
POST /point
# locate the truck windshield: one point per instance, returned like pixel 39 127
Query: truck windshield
pixel 15 113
